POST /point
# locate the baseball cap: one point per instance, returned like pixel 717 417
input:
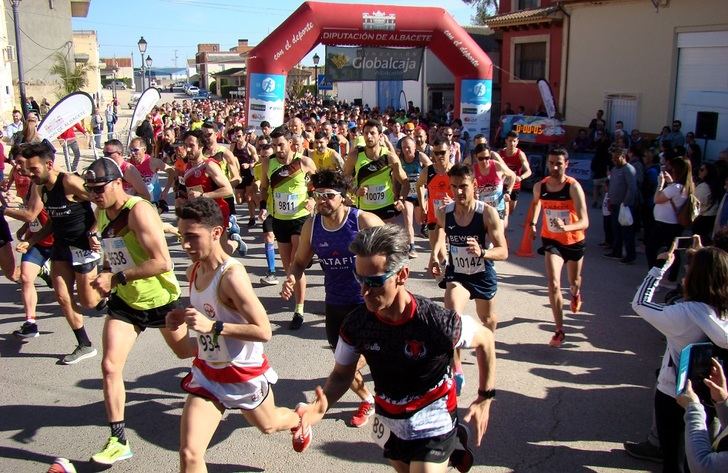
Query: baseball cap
pixel 101 171
pixel 409 126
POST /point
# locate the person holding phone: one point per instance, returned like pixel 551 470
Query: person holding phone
pixel 702 456
pixel 701 316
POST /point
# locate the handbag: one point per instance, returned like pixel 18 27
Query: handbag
pixel 625 216
pixel 688 212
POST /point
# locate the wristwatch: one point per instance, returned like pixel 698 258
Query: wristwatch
pixel 217 327
pixel 120 278
pixel 486 393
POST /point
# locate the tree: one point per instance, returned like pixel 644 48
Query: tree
pixel 484 9
pixel 72 78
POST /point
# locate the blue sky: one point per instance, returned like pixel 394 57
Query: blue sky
pixel 179 25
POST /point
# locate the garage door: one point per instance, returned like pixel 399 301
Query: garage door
pixel 702 83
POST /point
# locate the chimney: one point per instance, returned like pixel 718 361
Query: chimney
pixel 242 44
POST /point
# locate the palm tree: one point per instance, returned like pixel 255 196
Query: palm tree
pixel 72 78
pixel 483 9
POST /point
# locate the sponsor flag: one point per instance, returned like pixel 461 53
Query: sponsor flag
pixel 146 103
pixel 70 110
pixel 548 97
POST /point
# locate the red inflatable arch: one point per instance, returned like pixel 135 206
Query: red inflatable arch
pixel 369 25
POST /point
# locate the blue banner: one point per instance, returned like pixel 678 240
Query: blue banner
pixel 265 102
pixel 324 84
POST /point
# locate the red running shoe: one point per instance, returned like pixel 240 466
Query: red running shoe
pixel 575 303
pixel 362 415
pixel 557 339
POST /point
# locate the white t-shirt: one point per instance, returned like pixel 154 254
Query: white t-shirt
pixel 665 212
pixel 702 192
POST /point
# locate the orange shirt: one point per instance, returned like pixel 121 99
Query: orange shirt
pixel 555 205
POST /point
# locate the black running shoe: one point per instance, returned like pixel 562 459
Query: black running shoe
pixel 27 330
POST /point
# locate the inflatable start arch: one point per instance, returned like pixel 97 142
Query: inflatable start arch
pixel 335 24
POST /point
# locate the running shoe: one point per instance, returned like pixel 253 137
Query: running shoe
pixel 360 419
pixel 301 439
pixel 269 279
pixel 575 303
pixel 424 231
pixel 251 222
pixel 462 457
pixel 459 382
pixel 80 353
pixel 557 339
pixel 412 253
pixel 644 451
pixel 27 330
pixel 45 274
pixel 234 227
pixel 113 452
pixel 612 255
pixel 296 322
pixel 242 246
pixel 62 465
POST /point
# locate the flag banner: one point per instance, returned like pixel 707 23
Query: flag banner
pixel 372 64
pixel 146 103
pixel 70 110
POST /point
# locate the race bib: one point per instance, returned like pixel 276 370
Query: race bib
pixel 211 350
pixel 375 194
pixel 286 204
pixel 117 254
pixel 35 226
pixel 380 432
pixel 552 215
pixel 489 198
pixel 412 190
pixel 464 262
pixel 79 256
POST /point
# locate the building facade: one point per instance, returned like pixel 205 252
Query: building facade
pixel 211 60
pixel 86 52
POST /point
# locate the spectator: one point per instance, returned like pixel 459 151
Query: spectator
pixel 622 191
pixel 636 139
pixel 692 150
pixel 15 126
pixel 599 166
pixel 676 136
pixel 110 121
pixel 597 121
pixel 97 127
pixel 663 136
pixel 45 107
pixel 709 192
pixel 582 142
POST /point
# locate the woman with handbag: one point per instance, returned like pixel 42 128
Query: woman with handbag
pixel 674 188
pixel 701 316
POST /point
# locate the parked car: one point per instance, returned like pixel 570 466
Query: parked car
pixel 177 87
pixel 118 84
pixel 192 90
pixel 134 99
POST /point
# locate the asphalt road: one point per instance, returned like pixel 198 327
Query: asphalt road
pixel 557 410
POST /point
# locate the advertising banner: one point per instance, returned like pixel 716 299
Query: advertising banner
pixel 540 130
pixel 267 93
pixel 324 84
pixel 475 102
pixel 372 64
pixel 547 96
pixel 73 108
pixel 146 103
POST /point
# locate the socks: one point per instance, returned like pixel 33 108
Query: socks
pixel 370 399
pixel 81 337
pixel 117 430
pixel 299 309
pixel 270 257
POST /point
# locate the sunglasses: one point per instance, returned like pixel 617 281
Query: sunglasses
pixel 376 281
pixel 439 153
pixel 97 189
pixel 327 195
pixel 135 150
pixel 108 154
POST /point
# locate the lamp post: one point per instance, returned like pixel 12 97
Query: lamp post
pixel 316 60
pixel 149 68
pixel 21 78
pixel 142 43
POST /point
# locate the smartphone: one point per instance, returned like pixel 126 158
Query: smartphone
pixel 683 243
pixel 695 365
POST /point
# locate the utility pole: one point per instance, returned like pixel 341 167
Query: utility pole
pixel 21 78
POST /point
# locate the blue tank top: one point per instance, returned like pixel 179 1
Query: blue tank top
pixel 460 262
pixel 332 248
pixel 413 173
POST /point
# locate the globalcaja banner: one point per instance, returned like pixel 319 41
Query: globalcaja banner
pixel 532 129
pixel 475 103
pixel 372 64
pixel 267 93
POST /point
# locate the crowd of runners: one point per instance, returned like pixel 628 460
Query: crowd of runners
pixel 345 187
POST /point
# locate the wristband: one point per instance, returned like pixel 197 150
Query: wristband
pixel 94 235
pixel 121 278
pixel 486 393
pixel 217 330
pixel 263 205
pixel 533 224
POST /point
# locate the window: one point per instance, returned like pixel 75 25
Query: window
pixel 621 107
pixel 530 61
pixel 526 4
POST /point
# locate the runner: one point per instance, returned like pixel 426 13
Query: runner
pixel 408 342
pixel 474 236
pixel 490 176
pixel 433 191
pixel 283 176
pixel 323 156
pixel 71 221
pixel 517 161
pixel 228 164
pixel 565 220
pixel 140 283
pixel 376 168
pixel 448 134
pixel 230 325
pixel 247 157
pixel 133 182
pixel 268 237
pixel 413 161
pixel 149 168
pixel 328 235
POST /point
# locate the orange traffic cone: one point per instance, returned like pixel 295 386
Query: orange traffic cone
pixel 526 248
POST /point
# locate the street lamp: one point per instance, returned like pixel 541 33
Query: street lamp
pixel 142 43
pixel 149 68
pixel 316 60
pixel 21 78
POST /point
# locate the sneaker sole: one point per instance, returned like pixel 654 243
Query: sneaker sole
pixel 269 283
pixel 122 457
pixel 80 358
pixel 23 336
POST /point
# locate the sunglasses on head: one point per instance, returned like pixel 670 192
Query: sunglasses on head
pixel 327 195
pixel 377 280
pixel 97 189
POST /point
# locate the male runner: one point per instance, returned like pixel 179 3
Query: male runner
pixel 323 156
pixel 149 168
pixel 283 175
pixel 493 180
pixel 408 342
pixel 474 235
pixel 73 261
pixel 247 157
pixel 133 181
pixel 517 161
pixel 228 164
pixel 140 283
pixel 448 135
pixel 266 151
pixel 565 220
pixel 229 325
pixel 413 161
pixel 329 235
pixel 376 169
